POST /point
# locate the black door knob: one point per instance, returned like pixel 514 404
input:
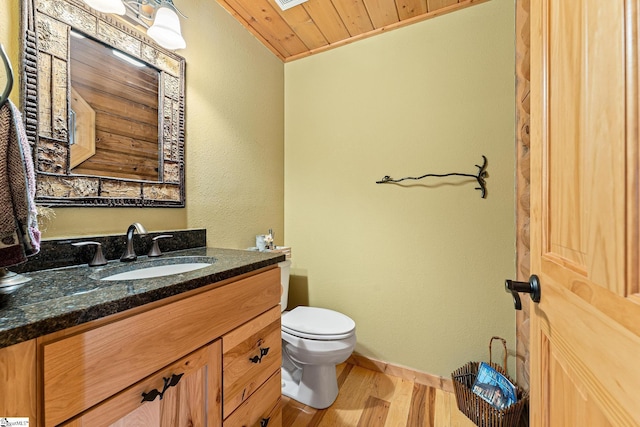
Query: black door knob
pixel 531 287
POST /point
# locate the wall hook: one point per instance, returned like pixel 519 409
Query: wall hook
pixel 479 177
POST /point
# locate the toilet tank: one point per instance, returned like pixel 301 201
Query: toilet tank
pixel 285 269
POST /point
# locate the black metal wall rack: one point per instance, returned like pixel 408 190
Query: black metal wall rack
pixel 479 177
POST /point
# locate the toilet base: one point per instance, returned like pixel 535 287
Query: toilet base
pixel 315 385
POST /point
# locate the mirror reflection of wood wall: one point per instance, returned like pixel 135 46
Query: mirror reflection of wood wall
pixel 124 97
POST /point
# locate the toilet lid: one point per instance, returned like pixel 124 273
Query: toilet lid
pixel 317 323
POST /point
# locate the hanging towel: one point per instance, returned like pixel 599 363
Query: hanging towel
pixel 19 234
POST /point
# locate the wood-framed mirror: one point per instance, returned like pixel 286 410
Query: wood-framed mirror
pixel 104 109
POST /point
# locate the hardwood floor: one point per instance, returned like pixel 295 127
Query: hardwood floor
pixel 369 398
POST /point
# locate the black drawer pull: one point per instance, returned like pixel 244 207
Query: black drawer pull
pixel 264 422
pixel 263 352
pixel 168 382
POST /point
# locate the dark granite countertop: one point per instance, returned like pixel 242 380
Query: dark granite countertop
pixel 60 298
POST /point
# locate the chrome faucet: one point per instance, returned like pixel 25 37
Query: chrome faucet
pixel 129 253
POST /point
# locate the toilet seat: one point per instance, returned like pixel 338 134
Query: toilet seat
pixel 317 324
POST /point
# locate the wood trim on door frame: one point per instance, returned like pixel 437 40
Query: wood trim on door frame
pixel 523 243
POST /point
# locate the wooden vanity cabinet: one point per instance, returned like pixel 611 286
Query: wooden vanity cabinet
pixel 95 374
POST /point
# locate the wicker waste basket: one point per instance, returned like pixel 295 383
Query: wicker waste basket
pixel 477 409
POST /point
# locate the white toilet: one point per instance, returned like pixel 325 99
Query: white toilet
pixel 314 341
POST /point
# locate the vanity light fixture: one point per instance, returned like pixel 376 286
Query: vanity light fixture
pixel 159 17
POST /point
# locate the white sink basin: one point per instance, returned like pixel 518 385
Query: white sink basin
pixel 157 271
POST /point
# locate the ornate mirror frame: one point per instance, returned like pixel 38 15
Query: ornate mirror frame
pixel 46 105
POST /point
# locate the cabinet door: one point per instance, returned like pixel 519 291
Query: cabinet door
pixel 18 384
pixel 185 393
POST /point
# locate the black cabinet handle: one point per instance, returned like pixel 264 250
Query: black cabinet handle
pixel 531 287
pixel 263 352
pixel 168 382
pixel 264 422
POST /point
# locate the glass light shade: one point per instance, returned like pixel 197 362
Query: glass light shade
pixel 107 6
pixel 166 29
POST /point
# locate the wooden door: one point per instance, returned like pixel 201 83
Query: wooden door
pixel 585 336
pixel 190 396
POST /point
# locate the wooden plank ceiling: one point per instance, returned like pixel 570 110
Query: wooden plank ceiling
pixel 319 25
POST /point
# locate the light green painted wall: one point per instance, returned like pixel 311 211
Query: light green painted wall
pixel 9 31
pixel 420 268
pixel 234 136
pixel 235 129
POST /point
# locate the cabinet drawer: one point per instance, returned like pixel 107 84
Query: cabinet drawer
pixel 83 370
pixel 251 353
pixel 184 393
pixel 262 409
